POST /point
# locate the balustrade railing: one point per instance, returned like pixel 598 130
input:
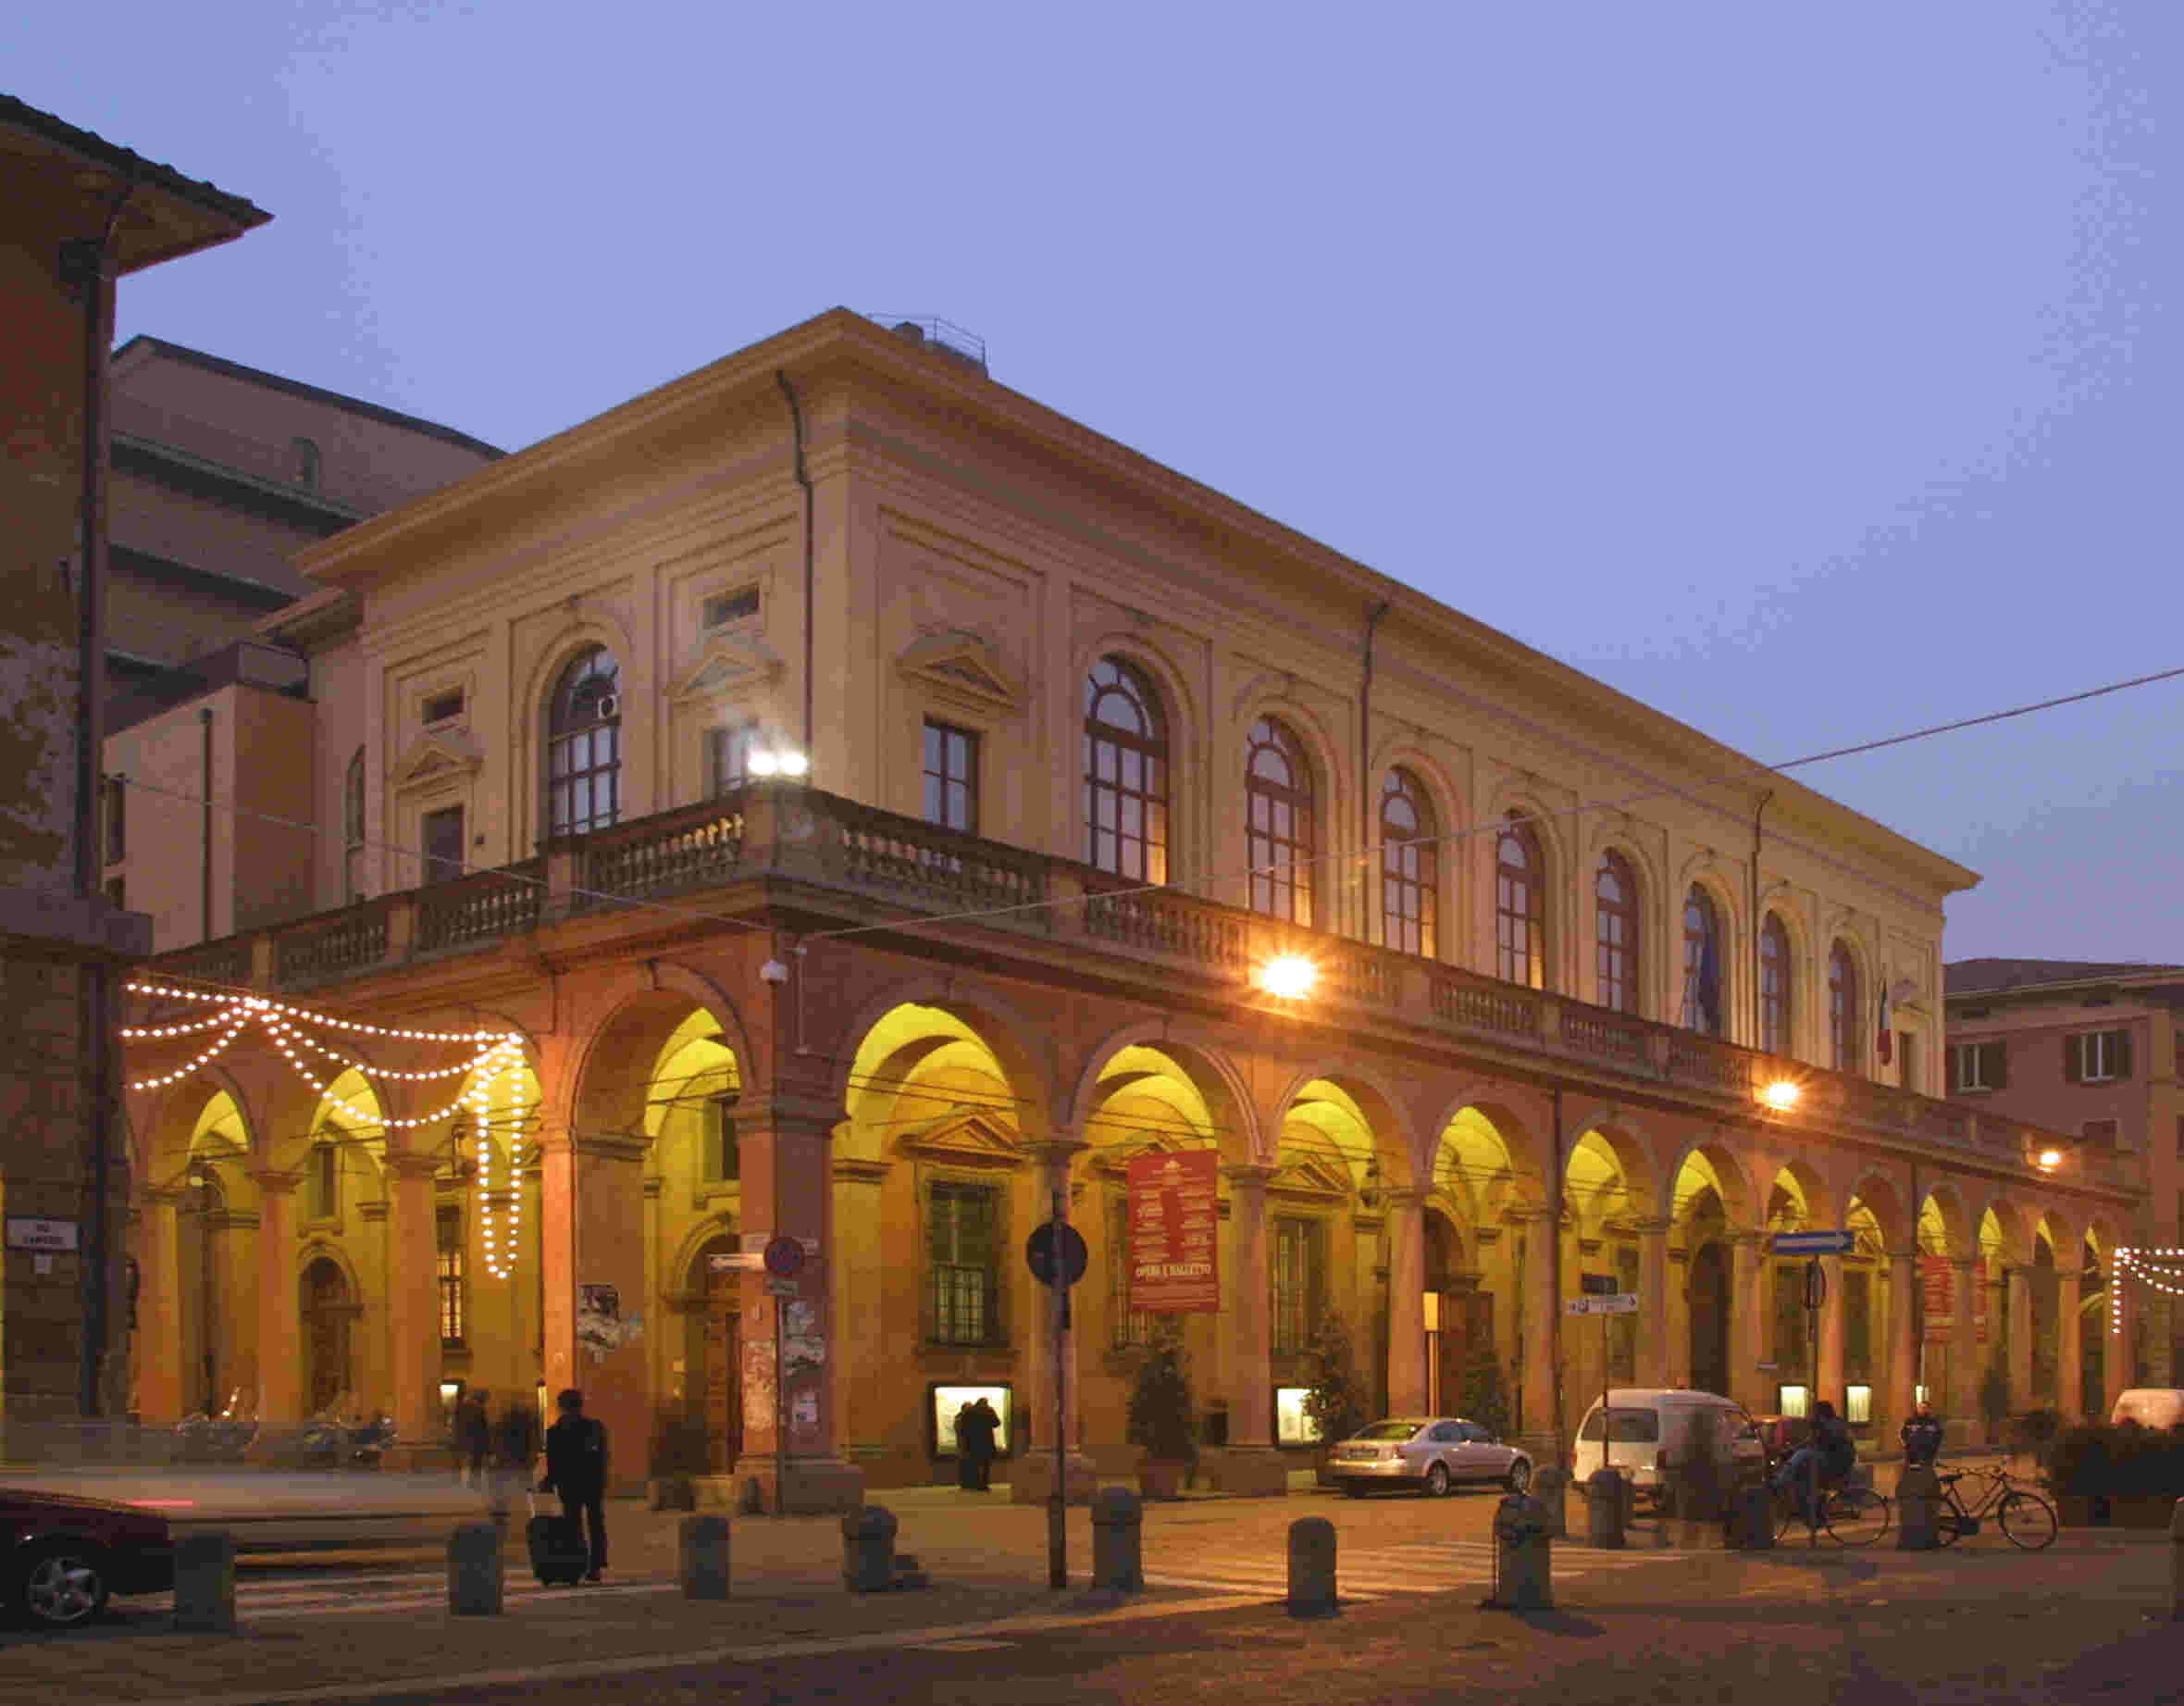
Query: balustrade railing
pixel 1162 921
pixel 482 907
pixel 1606 1035
pixel 348 941
pixel 1700 1060
pixel 1460 997
pixel 882 849
pixel 1361 973
pixel 223 962
pixel 696 847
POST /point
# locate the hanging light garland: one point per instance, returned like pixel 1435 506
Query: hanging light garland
pixel 495 1059
pixel 2139 1265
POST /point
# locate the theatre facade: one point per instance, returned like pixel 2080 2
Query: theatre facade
pixel 834 798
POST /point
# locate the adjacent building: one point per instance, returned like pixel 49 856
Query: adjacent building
pixel 871 804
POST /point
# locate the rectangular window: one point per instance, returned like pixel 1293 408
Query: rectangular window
pixel 723 608
pixel 448 1232
pixel 443 707
pixel 727 759
pixel 952 777
pixel 1295 1277
pixel 723 1161
pixel 1792 1400
pixel 1907 1052
pixel 110 800
pixel 2097 1057
pixel 963 1239
pixel 441 832
pixel 1857 1405
pixel 1129 1328
pixel 326 1182
pixel 1975 1066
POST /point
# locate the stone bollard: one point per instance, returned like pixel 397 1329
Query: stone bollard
pixel 473 1571
pixel 1312 1568
pixel 1918 1503
pixel 868 1550
pixel 1752 1527
pixel 2177 1562
pixel 701 1557
pixel 1551 1487
pixel 1118 1532
pixel 1604 1505
pixel 204 1583
pixel 1523 1557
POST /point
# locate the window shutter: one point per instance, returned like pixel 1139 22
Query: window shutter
pixel 2074 1060
pixel 1997 1073
pixel 2123 1053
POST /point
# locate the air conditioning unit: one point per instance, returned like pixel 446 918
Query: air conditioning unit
pixel 610 704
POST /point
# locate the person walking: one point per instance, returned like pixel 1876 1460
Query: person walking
pixel 975 1423
pixel 1922 1436
pixel 989 1428
pixel 474 1439
pixel 577 1469
pixel 516 1450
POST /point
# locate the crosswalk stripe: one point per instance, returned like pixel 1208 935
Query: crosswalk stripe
pixel 1275 1590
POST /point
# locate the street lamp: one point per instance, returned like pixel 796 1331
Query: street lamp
pixel 1289 976
pixel 787 761
pixel 1782 1095
pixel 2049 1159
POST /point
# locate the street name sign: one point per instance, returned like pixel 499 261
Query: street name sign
pixel 1618 1303
pixel 1814 1243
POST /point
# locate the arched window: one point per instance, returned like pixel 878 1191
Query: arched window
pixel 1125 774
pixel 1410 866
pixel 584 746
pixel 1519 906
pixel 1774 986
pixel 352 830
pixel 1843 1021
pixel 1615 932
pixel 1702 963
pixel 1281 833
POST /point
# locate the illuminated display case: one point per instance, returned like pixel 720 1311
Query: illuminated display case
pixel 1293 1426
pixel 943 1401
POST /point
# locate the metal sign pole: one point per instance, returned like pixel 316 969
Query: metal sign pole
pixel 1816 1282
pixel 1057 1499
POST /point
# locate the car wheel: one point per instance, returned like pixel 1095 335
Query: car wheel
pixel 1437 1481
pixel 57 1587
pixel 1519 1475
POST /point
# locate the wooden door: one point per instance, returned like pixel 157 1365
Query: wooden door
pixel 326 1322
pixel 1709 1318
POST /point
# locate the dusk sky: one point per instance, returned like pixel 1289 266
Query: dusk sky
pixel 1808 372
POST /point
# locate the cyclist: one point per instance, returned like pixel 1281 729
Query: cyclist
pixel 1836 1452
pixel 1922 1436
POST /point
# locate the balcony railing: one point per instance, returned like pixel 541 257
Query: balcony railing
pixel 869 856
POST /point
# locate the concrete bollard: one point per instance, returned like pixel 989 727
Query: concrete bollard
pixel 204 1583
pixel 1118 1534
pixel 701 1557
pixel 868 1550
pixel 1918 1503
pixel 1312 1568
pixel 1551 1487
pixel 2177 1562
pixel 1523 1557
pixel 473 1571
pixel 1752 1527
pixel 1604 1506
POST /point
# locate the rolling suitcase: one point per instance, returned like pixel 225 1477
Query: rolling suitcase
pixel 559 1556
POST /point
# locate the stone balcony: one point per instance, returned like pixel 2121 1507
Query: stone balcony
pixel 837 864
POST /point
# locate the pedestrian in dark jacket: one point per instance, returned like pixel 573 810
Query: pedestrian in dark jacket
pixel 1922 1435
pixel 516 1450
pixel 577 1469
pixel 976 1424
pixel 474 1439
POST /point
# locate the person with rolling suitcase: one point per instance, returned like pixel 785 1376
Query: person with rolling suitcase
pixel 577 1469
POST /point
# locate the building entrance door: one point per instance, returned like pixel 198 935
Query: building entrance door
pixel 1709 1318
pixel 326 1332
pixel 723 1369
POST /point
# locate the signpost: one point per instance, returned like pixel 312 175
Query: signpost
pixel 1815 1243
pixel 1602 1299
pixel 1056 1254
pixel 1812 1246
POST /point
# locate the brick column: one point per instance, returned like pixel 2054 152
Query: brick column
pixel 2018 1304
pixel 1676 1353
pixel 280 1326
pixel 1542 1296
pixel 1251 1463
pixel 1964 1343
pixel 1653 1359
pixel 792 1461
pixel 1748 1322
pixel 413 1310
pixel 1407 1310
pixel 592 1245
pixel 1903 1333
pixel 1831 1330
pixel 2069 1344
pixel 160 1380
pixel 1031 1477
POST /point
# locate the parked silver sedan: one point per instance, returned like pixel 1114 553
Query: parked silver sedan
pixel 1432 1453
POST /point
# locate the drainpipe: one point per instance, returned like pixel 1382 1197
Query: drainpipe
pixel 1365 795
pixel 1759 1022
pixel 85 263
pixel 204 884
pixel 1554 1315
pixel 803 479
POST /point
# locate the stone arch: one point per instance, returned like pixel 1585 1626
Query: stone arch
pixel 168 1128
pixel 1401 750
pixel 1944 1216
pixel 1719 1169
pixel 1485 1160
pixel 1203 1058
pixel 682 1267
pixel 1881 1198
pixel 1800 1184
pixel 1017 1041
pixel 1386 1115
pixel 637 1013
pixel 2004 1231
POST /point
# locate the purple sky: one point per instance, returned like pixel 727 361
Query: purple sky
pixel 1806 372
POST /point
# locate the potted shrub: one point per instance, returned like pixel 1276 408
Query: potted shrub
pixel 1336 1397
pixel 680 1452
pixel 1483 1394
pixel 1161 1418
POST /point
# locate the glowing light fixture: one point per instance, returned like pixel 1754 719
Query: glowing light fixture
pixel 2050 1159
pixel 795 764
pixel 1782 1095
pixel 764 763
pixel 1289 975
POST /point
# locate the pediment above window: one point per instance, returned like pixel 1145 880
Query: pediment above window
pixel 437 758
pixel 729 664
pixel 962 1141
pixel 1312 1176
pixel 963 667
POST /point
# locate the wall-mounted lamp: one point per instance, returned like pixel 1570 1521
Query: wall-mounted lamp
pixel 782 761
pixel 1289 977
pixel 1782 1095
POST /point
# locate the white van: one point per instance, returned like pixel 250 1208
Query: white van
pixel 2149 1406
pixel 1653 1427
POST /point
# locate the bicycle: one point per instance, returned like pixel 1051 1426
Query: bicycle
pixel 2023 1515
pixel 1849 1515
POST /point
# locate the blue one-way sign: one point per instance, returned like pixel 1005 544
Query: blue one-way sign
pixel 1814 1243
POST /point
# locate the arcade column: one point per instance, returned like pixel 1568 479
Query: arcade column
pixel 159 1316
pixel 1031 1477
pixel 591 1246
pixel 1406 1315
pixel 280 1326
pixel 1250 1463
pixel 1654 1361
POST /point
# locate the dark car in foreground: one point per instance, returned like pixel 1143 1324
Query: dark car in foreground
pixel 62 1554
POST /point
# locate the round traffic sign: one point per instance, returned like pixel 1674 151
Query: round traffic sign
pixel 784 1255
pixel 1038 1252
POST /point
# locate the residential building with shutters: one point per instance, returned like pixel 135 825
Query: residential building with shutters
pixel 2089 1050
pixel 1090 746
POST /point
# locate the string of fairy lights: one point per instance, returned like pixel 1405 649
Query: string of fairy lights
pixel 2138 1263
pixel 491 1078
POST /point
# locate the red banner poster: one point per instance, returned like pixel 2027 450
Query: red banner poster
pixel 1937 1276
pixel 1174 1230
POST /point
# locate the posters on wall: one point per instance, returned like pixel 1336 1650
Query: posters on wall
pixel 1937 1276
pixel 1174 1221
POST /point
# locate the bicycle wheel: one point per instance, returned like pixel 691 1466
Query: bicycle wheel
pixel 1857 1516
pixel 2027 1519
